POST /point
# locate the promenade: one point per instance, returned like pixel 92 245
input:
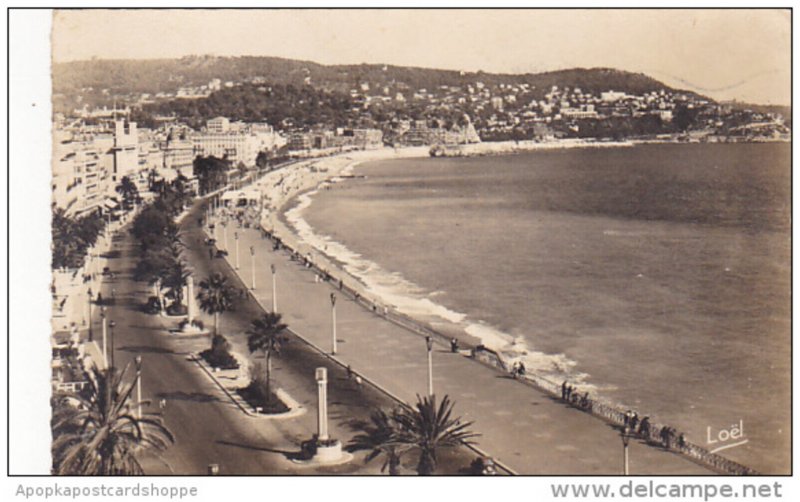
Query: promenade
pixel 208 426
pixel 524 428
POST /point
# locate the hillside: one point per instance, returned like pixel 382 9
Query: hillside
pixel 122 77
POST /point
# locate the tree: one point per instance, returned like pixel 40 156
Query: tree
pixel 428 428
pixel 264 335
pixel 262 160
pixel 96 433
pixel 175 277
pixel 215 297
pixel 379 437
pixel 684 118
pixel 127 189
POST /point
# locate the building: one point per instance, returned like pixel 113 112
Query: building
pixel 584 112
pixel 364 138
pixel 125 150
pixel 612 96
pixel 300 141
pixel 218 125
pixel 178 157
pixel 82 168
pixel 236 147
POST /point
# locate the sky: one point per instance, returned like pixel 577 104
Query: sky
pixel 725 54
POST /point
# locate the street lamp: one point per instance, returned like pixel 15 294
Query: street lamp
pixel 139 386
pixel 429 344
pixel 91 333
pixel 274 291
pixel 111 325
pixel 626 437
pixel 105 339
pixel 236 238
pixel 253 267
pixel 333 323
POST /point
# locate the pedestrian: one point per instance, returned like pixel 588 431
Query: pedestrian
pixel 349 372
pixel 521 369
pixel 634 421
pixel 162 403
pixel 514 369
pixel 453 345
pixel 627 418
pixel 564 390
pixel 644 428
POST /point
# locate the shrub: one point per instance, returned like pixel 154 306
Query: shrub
pixel 255 392
pixel 177 309
pixel 219 355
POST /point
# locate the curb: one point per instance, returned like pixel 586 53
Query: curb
pixel 374 384
pixel 295 408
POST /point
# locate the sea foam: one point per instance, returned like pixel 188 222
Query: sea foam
pixel 393 290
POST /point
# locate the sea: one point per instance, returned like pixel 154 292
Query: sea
pixel 657 277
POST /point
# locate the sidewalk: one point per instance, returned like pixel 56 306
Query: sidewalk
pixel 526 429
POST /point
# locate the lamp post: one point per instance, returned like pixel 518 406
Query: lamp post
pixel 274 291
pixel 105 339
pixel 626 436
pixel 333 323
pixel 139 386
pixel 252 268
pixel 236 238
pixel 91 333
pixel 111 325
pixel 429 344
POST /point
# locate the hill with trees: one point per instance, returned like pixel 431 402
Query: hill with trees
pixel 105 79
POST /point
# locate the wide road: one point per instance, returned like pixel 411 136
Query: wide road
pixel 208 427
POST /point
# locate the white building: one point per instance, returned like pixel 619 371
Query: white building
pixel 612 96
pixel 218 125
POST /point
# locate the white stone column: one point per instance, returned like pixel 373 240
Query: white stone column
pixel 322 415
pixel 190 298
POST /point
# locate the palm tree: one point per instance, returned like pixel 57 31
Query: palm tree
pixel 215 297
pixel 95 431
pixel 127 189
pixel 264 335
pixel 379 437
pixel 428 428
pixel 175 277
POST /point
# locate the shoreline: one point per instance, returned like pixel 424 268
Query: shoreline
pixel 293 192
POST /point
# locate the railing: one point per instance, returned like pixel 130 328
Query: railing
pixel 606 411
